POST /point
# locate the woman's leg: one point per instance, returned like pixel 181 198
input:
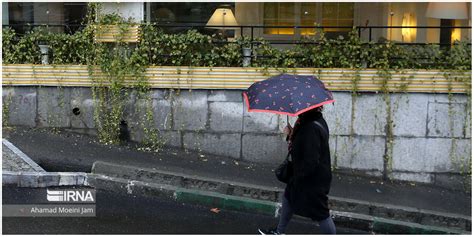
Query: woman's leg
pixel 285 216
pixel 327 226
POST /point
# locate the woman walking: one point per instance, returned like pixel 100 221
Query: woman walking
pixel 308 186
pixel 307 190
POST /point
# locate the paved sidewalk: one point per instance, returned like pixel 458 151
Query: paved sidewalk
pixel 16 161
pixel 20 170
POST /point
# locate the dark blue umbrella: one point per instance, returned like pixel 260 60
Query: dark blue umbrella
pixel 287 94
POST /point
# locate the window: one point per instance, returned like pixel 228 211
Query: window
pixel 20 14
pixel 188 12
pixel 307 14
pixel 70 14
pixel 338 14
pixel 279 14
pixel 308 18
pixel 74 13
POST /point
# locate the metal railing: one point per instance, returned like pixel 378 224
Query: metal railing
pixel 252 32
pixel 182 26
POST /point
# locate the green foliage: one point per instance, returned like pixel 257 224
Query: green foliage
pixel 267 55
pixel 22 49
pixel 188 49
pixel 110 19
pixel 61 45
pixel 119 63
pixel 317 51
pixel 8 45
pixel 172 49
pixel 459 57
pixel 195 49
pixel 353 51
pixel 457 63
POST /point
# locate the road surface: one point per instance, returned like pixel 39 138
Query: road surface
pixel 128 214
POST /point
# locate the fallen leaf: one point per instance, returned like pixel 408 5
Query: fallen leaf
pixel 215 210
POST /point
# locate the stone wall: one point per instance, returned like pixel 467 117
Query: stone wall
pixel 430 143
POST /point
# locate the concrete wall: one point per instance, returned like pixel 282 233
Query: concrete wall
pixel 427 147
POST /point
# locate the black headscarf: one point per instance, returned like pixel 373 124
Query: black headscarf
pixel 309 115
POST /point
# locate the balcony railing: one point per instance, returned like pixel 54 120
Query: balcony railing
pixel 256 31
pixel 249 30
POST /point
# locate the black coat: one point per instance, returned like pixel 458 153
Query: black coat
pixel 307 190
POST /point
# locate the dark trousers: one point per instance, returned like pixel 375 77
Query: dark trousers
pixel 326 226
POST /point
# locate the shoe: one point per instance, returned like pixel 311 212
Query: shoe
pixel 269 232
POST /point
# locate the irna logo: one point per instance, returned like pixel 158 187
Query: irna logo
pixel 69 196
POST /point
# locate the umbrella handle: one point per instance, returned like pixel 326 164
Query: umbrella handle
pixel 288 125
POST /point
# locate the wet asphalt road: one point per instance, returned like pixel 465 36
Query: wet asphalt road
pixel 127 214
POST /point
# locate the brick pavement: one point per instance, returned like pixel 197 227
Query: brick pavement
pixel 16 161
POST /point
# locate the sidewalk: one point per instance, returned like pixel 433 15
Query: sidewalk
pixel 15 160
pixel 73 152
pixel 20 170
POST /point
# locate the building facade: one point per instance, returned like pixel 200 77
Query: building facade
pixel 418 129
pixel 375 18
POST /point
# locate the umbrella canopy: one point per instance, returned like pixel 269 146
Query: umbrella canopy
pixel 287 94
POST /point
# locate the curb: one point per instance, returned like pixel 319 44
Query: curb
pixel 44 179
pixel 408 214
pixel 39 178
pixel 229 202
pixel 379 225
pixel 212 199
pixel 254 192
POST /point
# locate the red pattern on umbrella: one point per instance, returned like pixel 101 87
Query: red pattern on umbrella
pixel 306 92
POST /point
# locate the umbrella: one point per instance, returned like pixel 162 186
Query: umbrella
pixel 287 94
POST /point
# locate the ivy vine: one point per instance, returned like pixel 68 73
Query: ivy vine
pixel 192 48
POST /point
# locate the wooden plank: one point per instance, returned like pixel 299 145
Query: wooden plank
pixel 233 78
